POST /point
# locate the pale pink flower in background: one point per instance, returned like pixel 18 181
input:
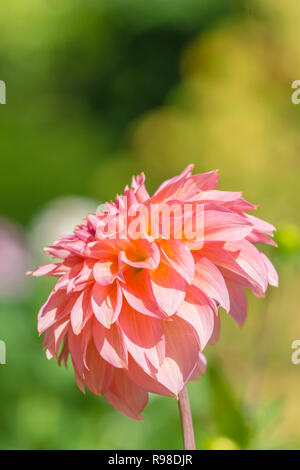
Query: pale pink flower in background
pixel 56 217
pixel 135 314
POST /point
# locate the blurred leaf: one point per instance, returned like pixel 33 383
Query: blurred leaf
pixel 288 238
pixel 230 418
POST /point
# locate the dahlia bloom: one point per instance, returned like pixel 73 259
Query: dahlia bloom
pixel 137 298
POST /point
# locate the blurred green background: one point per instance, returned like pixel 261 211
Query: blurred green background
pixel 97 91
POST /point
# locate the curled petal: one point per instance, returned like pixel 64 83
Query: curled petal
pixel 106 303
pixel 198 312
pixel 177 255
pixel 141 254
pixel 168 288
pixel 209 279
pixel 139 294
pixel 105 272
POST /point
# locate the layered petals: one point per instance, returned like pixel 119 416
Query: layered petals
pixel 134 309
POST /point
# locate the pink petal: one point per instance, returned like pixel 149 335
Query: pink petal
pixel 257 237
pixel 76 352
pixel 57 307
pixel 185 187
pixel 231 200
pixel 140 188
pixel 106 303
pixel 229 267
pixel 143 337
pixel 99 375
pixel 75 246
pixel 209 279
pixel 200 368
pixel 168 287
pixel 57 251
pixel 46 270
pixel 238 302
pixel 183 175
pixel 105 272
pixel 219 196
pixel 110 344
pixel 181 358
pixel 260 225
pixel 144 380
pixel 54 336
pixel 124 395
pixel 102 250
pixel 139 294
pixel 272 273
pixel 221 225
pixel 142 254
pixel 84 278
pixel 64 354
pixel 216 331
pixel 197 311
pixel 178 256
pixel 250 260
pixel 80 311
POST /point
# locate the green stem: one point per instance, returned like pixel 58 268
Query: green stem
pixel 186 420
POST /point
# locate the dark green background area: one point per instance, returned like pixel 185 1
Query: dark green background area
pixel 100 90
pixel 78 73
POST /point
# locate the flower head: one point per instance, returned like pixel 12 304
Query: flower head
pixel 140 284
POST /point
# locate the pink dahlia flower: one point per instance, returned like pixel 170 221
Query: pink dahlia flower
pixel 139 288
